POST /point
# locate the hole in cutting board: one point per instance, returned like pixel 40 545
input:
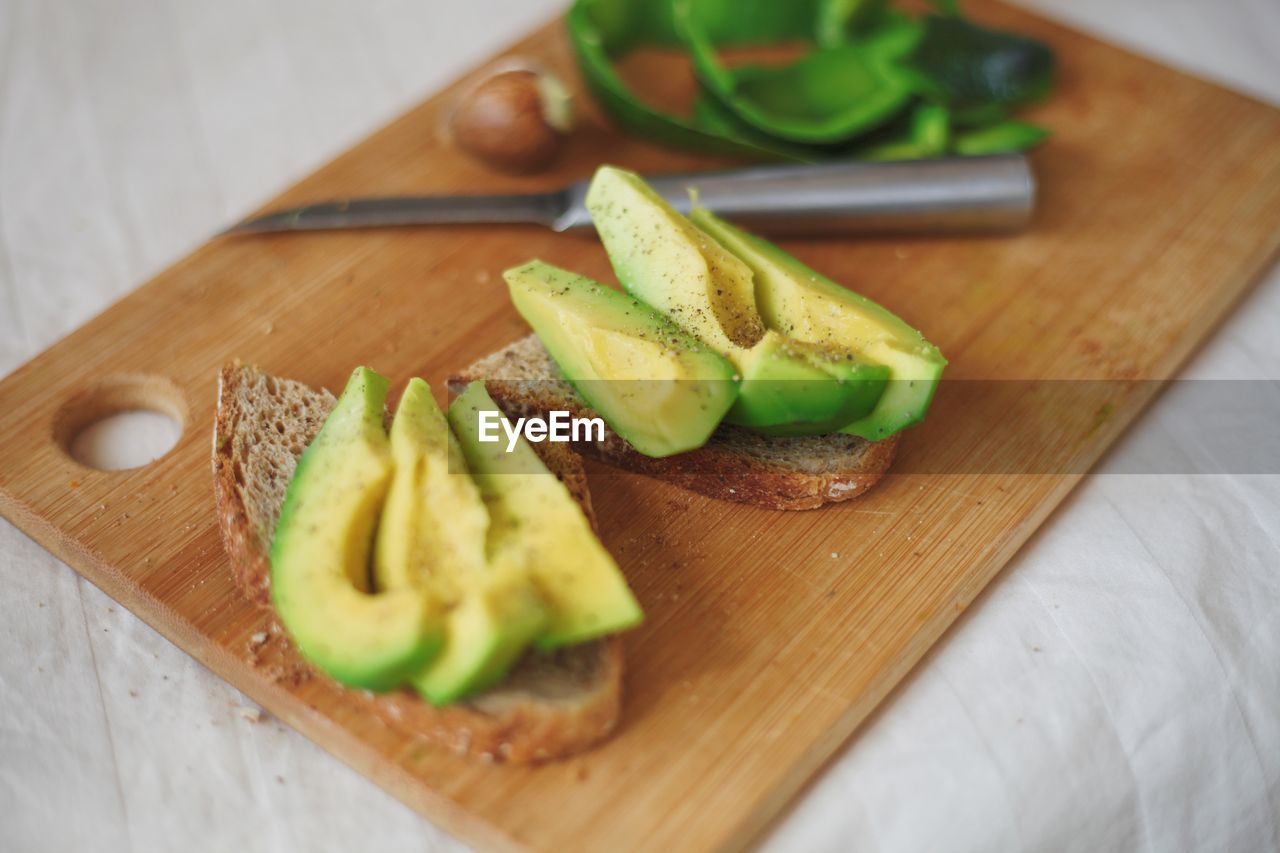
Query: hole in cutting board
pixel 121 422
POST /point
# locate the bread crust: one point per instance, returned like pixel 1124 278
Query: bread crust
pixel 522 380
pixel 520 732
pixel 712 472
pixel 521 721
pixel 250 567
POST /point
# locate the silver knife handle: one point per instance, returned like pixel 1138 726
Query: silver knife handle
pixel 945 195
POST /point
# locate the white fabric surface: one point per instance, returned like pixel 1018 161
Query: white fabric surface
pixel 1118 688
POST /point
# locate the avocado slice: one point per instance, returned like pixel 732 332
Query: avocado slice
pixel 321 549
pixel 418 546
pixel 790 388
pixel 535 520
pixel 798 301
pixel 489 628
pixel 433 539
pixel 665 262
pixel 657 387
pixel 663 259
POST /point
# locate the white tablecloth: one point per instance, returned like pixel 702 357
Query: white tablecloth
pixel 1118 688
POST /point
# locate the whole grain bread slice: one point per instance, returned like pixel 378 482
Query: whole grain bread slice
pixel 735 465
pixel 550 706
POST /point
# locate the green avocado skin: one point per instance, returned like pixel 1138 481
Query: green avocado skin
pixel 321 548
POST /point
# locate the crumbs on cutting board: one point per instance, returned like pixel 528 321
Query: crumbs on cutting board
pixel 250 713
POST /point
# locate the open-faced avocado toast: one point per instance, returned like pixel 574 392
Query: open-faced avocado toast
pixel 401 562
pixel 417 557
pixel 727 367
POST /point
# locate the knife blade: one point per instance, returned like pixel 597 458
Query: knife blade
pixel 945 195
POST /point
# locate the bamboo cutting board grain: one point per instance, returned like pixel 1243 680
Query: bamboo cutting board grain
pixel 770 636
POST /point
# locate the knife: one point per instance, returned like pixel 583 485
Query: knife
pixel 945 195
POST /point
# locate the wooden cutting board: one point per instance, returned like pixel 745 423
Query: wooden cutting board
pixel 770 636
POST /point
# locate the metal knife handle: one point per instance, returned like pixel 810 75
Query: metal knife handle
pixel 946 195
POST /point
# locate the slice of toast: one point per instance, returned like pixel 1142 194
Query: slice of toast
pixel 550 706
pixel 735 465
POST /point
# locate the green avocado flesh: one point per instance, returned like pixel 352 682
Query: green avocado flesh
pixel 487 614
pixel 393 564
pixel 791 388
pixel 535 521
pixel 665 262
pixel 321 549
pixel 657 387
pixel 489 628
pixel 791 385
pixel 797 301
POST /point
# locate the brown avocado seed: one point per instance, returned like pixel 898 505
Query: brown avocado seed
pixel 514 121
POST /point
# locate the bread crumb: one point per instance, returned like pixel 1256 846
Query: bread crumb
pixel 835 555
pixel 253 715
